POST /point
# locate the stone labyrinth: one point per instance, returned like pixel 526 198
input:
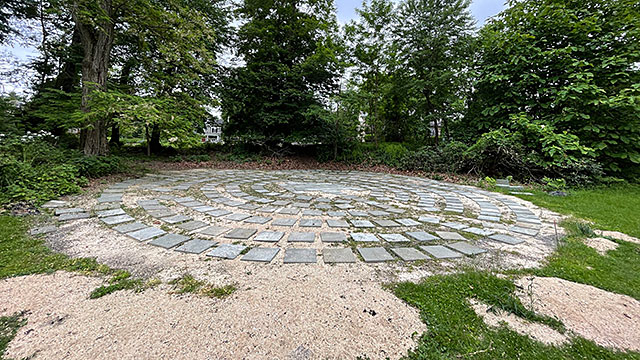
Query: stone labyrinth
pixel 312 216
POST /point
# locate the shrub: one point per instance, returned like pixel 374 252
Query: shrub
pixel 97 166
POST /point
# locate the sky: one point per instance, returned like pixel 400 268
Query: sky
pixel 481 9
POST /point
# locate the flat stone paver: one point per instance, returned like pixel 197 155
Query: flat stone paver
pixel 176 219
pixel 115 220
pixel 300 256
pixel 429 219
pixel 284 222
pixel 408 222
pixel 333 237
pixel 261 254
pixel 238 217
pixel 192 225
pixel 440 252
pixel 168 241
pixel 298 236
pixel 466 248
pixel 213 230
pixel 364 237
pixel 337 223
pixel 386 223
pixel 146 233
pixel 195 246
pixel 269 236
pixel 409 254
pixel 111 212
pixel 258 220
pixel 362 223
pixel 73 216
pixel 126 228
pixel 227 251
pixel 218 212
pixel 240 233
pixel 421 236
pixel 375 254
pixel 394 237
pixel 310 223
pixel 449 235
pixel 337 256
pixel 524 230
pixel 43 230
pixel 506 239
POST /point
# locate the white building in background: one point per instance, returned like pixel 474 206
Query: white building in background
pixel 213 132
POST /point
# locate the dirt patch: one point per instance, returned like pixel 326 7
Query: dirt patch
pixel 271 316
pixel 618 235
pixel 606 318
pixel 601 245
pixel 496 317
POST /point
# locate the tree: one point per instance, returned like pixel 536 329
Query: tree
pixel 434 39
pixel 370 40
pixel 289 50
pixel 570 66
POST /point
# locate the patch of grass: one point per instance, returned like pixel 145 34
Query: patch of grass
pixel 614 207
pixel 617 271
pixel 21 254
pixel 188 284
pixel 455 331
pixel 9 326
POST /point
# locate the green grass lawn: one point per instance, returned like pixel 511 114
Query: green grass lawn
pixel 612 208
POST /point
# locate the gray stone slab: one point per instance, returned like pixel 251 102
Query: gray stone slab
pixel 126 228
pixel 386 223
pixel 455 225
pixel 300 256
pixel 449 235
pixel 168 241
pixel 238 217
pixel 336 213
pixel 146 233
pixel 213 230
pixel 218 212
pixel 478 231
pixel 284 222
pixel 110 198
pixel 394 237
pixel 204 209
pixel 375 254
pixel 408 222
pixel 336 256
pixel 175 219
pixel 409 254
pixel 333 237
pixel 111 212
pixel 258 220
pixel 310 223
pixel 261 254
pixel 524 230
pixel 489 218
pixel 362 223
pixel 195 246
pixel 429 219
pixel 240 233
pixel 73 216
pixel 337 223
pixel 289 211
pixel 466 248
pixel 54 204
pixel 193 204
pixel 364 237
pixel 378 213
pixel 310 212
pixel 298 236
pixel 357 213
pixel 269 236
pixel 267 209
pixel 161 213
pixel 440 252
pixel 420 235
pixel 227 251
pixel 119 219
pixel 506 239
pixel 43 230
pixel 61 211
pixel 192 225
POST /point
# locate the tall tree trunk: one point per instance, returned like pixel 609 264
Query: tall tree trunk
pixel 97 40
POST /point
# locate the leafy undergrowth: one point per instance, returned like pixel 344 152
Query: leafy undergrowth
pixel 188 284
pixel 612 208
pixel 9 326
pixel 455 331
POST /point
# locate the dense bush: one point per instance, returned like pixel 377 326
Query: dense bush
pixel 446 158
pixel 34 168
pixel 390 154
